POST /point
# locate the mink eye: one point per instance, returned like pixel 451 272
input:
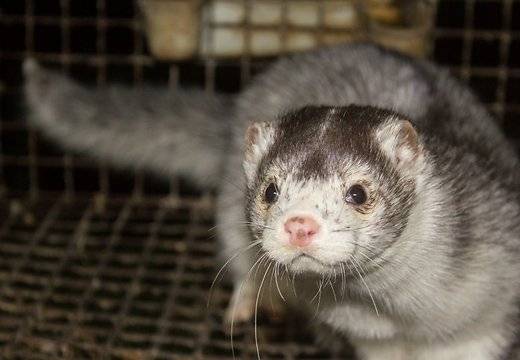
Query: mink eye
pixel 271 193
pixel 356 195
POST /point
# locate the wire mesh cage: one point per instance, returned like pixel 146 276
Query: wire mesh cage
pixel 103 263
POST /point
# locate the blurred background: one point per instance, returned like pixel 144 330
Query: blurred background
pixel 104 263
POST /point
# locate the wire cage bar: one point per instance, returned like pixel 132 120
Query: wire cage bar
pixel 103 263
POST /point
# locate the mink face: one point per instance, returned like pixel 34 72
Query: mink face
pixel 332 187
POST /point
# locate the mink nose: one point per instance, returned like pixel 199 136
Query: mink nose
pixel 301 230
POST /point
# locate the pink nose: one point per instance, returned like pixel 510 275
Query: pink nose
pixel 301 230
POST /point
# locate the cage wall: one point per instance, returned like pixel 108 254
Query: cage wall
pixel 101 42
pixel 102 262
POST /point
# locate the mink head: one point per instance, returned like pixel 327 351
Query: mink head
pixel 331 186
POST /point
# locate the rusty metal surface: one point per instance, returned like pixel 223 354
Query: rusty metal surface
pixel 122 278
pixel 97 263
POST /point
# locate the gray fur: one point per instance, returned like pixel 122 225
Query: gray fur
pixel 452 287
pixel 132 127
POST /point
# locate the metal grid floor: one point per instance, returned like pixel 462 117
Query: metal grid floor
pixel 121 279
pixel 128 277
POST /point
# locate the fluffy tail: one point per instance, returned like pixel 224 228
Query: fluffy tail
pixel 154 129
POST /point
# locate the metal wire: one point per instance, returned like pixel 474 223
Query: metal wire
pixel 95 263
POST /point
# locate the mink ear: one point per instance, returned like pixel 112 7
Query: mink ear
pixel 259 136
pixel 401 143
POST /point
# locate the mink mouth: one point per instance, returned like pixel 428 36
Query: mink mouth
pixel 311 264
pixel 309 257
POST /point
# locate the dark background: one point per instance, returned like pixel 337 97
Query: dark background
pixel 127 277
pixel 102 41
